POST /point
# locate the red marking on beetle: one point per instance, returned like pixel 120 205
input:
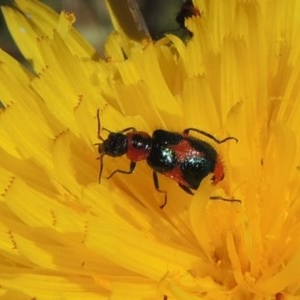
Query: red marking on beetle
pixel 218 172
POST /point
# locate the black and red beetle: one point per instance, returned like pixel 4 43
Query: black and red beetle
pixel 187 10
pixel 179 156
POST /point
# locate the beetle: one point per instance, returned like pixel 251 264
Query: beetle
pixel 187 10
pixel 179 156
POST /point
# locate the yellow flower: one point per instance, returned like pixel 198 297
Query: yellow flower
pixel 65 236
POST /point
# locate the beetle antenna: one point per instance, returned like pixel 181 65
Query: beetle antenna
pixel 101 166
pixel 99 125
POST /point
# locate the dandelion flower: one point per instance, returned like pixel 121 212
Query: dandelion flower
pixel 64 235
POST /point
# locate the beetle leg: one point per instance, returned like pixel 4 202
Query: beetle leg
pixel 156 185
pixel 131 169
pixel 224 199
pixel 186 189
pixel 128 129
pixel 187 130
